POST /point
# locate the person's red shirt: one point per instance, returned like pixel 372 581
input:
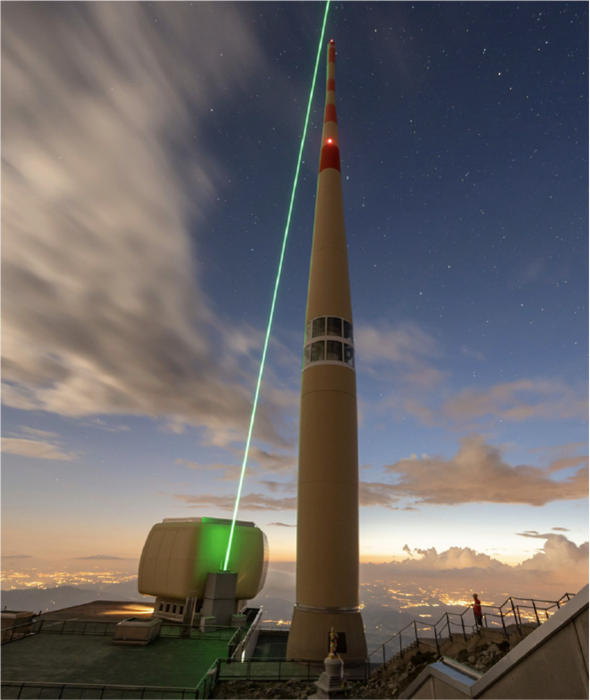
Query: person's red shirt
pixel 477 606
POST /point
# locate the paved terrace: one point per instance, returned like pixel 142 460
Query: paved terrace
pixel 92 657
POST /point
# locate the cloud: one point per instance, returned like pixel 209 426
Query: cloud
pixel 35 448
pixel 518 401
pixel 452 558
pixel 259 461
pixel 384 344
pixel 102 557
pixel 103 310
pixel 561 565
pixel 558 553
pixel 280 525
pixel 228 472
pixel 406 346
pixel 251 502
pixel 561 529
pixel 526 399
pixel 17 556
pixel 103 425
pixel 272 461
pixel 38 433
pixel 478 474
pixel 377 494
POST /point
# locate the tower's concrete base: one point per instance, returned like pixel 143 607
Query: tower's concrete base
pixel 309 636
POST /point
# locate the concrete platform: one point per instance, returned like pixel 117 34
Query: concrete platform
pixel 92 659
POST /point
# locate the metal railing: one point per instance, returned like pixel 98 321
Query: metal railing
pixel 103 629
pixel 512 612
pixel 69 691
pixel 284 669
pixel 11 634
pixel 82 627
pixel 243 644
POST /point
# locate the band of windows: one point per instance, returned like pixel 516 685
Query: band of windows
pixel 320 343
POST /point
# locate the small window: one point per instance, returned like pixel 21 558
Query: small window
pixel 161 607
pixel 174 609
pixel 334 350
pixel 319 327
pixel 317 351
pixel 348 330
pixel 306 355
pixel 348 354
pixel 167 607
pixel 308 331
pixel 181 611
pixel 334 326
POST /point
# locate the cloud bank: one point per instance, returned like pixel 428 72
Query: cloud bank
pixel 35 448
pixel 103 310
pixel 561 566
pixel 478 474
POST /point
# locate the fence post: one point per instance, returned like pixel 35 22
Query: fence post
pixel 463 628
pixel 400 644
pixel 516 620
pixel 503 624
pixel 416 631
pixel 436 641
pixel 383 647
pixel 536 613
pixel 20 690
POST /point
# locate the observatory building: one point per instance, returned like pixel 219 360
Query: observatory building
pixel 181 558
pixel 328 502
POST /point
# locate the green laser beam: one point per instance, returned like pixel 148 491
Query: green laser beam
pixel 276 289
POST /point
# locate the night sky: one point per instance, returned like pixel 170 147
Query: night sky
pixel 149 152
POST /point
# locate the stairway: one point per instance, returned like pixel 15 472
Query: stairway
pixel 448 642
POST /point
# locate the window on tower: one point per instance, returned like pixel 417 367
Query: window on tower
pixel 334 351
pixel 334 326
pixel 321 344
pixel 317 351
pixel 348 331
pixel 349 354
pixel 319 327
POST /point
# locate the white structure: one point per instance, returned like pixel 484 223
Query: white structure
pixel 179 553
pixel 552 662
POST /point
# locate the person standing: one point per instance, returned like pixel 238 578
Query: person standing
pixel 477 611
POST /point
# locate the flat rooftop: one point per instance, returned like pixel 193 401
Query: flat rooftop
pixel 101 611
pixel 55 658
pixel 75 652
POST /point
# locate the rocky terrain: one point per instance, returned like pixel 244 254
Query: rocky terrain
pixel 387 682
